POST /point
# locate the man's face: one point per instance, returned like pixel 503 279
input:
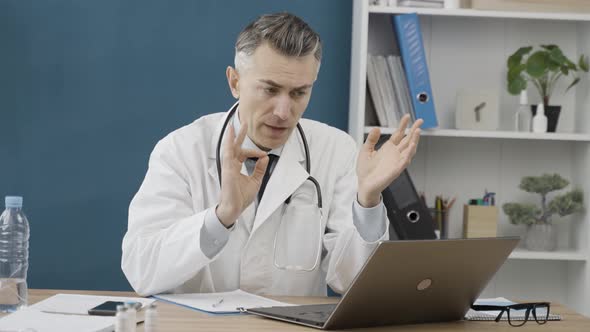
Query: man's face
pixel 274 91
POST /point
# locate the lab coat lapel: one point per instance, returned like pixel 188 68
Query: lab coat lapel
pixel 287 176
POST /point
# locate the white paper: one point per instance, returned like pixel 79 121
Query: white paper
pixel 39 321
pixel 49 314
pixel 79 304
pixel 227 302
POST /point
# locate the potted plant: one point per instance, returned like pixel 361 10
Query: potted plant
pixel 543 68
pixel 540 234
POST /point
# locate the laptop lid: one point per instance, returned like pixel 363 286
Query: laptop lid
pixel 422 281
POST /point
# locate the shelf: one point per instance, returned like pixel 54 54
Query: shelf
pixel 564 255
pixel 479 13
pixel 495 134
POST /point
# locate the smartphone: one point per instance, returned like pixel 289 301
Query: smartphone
pixel 108 308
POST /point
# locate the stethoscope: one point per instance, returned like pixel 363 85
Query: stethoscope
pixel 230 115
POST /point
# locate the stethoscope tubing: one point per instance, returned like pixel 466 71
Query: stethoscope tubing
pixel 231 114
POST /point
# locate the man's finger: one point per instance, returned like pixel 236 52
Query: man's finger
pixel 401 130
pixel 260 169
pixel 416 136
pixel 372 139
pixel 242 134
pixel 417 124
pixel 228 144
pixel 404 143
pixel 408 154
pixel 411 136
pixel 250 153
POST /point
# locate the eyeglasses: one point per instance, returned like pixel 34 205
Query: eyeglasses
pixel 518 314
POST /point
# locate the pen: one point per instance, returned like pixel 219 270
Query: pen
pixel 438 206
pixel 451 202
pixel 215 305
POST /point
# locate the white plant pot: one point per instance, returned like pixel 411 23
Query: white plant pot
pixel 540 237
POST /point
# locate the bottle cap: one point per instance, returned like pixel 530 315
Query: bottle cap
pixel 133 304
pixel 13 202
pixel 524 99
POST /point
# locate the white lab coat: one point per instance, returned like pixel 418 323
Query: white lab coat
pixel 162 251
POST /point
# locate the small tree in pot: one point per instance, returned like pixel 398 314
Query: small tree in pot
pixel 543 68
pixel 540 234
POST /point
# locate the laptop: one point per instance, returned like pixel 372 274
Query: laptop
pixel 408 282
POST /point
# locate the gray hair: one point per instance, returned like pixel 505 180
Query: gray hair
pixel 285 33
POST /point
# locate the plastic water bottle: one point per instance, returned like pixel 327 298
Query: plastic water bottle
pixel 14 255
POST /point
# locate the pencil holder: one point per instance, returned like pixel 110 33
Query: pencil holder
pixel 480 221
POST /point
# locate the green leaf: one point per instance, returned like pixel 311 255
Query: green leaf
pixel 516 57
pixel 583 62
pixel 516 85
pixel 543 184
pixel 568 203
pixel 553 66
pixel 564 70
pixel 521 213
pixel 513 61
pixel 550 47
pixel 537 64
pixel 555 55
pixel 571 65
pixel 574 82
pixel 515 72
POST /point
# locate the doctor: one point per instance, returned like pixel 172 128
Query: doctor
pixel 255 223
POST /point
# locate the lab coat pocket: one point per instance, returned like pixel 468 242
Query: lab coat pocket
pixel 298 239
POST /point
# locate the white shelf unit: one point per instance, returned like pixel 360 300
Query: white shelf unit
pixel 467 49
pixel 493 134
pixel 480 13
pixel 564 255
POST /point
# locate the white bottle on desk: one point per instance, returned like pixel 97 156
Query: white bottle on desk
pixel 131 316
pixel 121 319
pixel 540 120
pixel 151 318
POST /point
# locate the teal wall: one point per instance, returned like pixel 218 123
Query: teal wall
pixel 87 88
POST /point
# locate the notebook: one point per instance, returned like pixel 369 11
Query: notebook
pixel 491 315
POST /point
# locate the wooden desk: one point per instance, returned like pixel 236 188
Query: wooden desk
pixel 179 319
